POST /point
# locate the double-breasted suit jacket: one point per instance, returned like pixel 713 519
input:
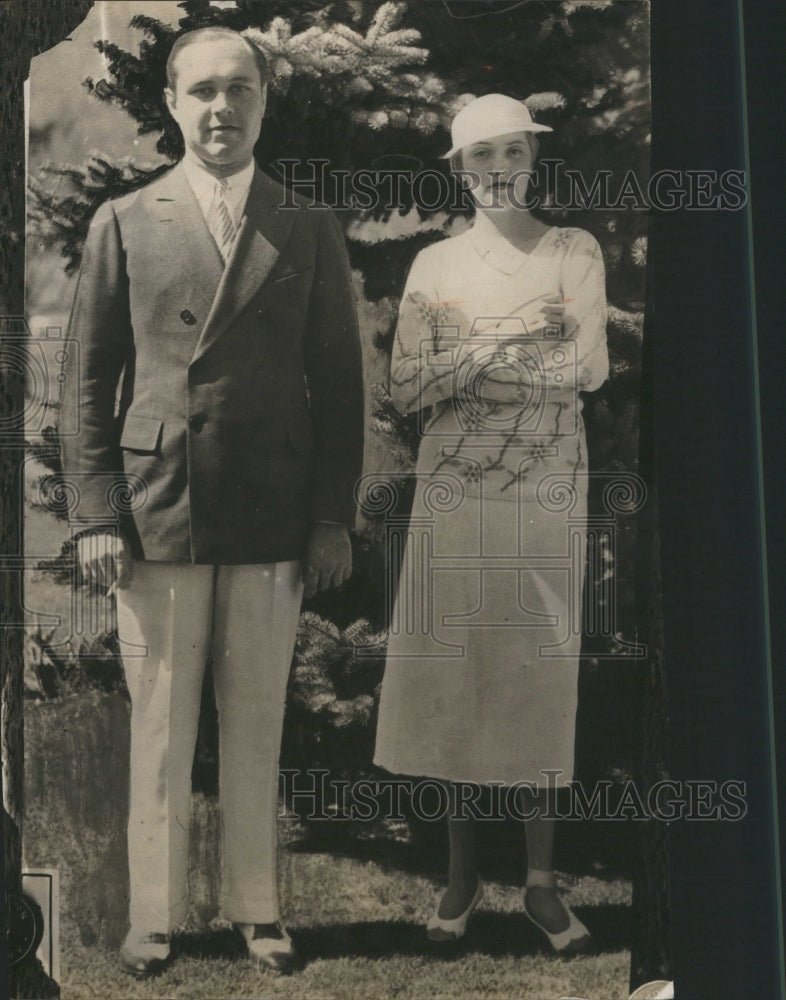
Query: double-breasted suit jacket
pixel 219 408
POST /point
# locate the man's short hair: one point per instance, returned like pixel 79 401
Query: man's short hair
pixel 205 34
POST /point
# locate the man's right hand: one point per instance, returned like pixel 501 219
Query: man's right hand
pixel 105 560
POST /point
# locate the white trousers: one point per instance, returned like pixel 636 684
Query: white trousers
pixel 169 618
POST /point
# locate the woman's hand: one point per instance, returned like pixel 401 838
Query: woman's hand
pixel 538 315
pixel 553 311
pixel 105 560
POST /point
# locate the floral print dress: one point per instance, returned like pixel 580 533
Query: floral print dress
pixel 481 677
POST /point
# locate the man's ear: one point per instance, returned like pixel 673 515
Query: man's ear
pixel 169 97
pixel 264 99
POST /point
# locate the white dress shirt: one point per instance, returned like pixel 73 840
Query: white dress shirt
pixel 203 184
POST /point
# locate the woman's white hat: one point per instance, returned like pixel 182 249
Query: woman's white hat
pixel 489 116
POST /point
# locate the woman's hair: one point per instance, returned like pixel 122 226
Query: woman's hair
pixel 205 34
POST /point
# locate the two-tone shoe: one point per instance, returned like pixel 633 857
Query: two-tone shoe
pixel 269 945
pixel 145 953
pixel 443 930
pixel 573 939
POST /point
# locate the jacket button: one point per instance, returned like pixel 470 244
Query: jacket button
pixel 196 422
pixel 261 313
pixel 188 317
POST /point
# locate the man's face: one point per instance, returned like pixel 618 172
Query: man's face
pixel 218 102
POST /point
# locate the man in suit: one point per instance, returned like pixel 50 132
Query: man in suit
pixel 220 406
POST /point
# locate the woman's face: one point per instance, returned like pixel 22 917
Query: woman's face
pixel 497 169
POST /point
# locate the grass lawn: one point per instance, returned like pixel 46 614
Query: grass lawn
pixel 355 907
pixel 355 900
pixel 357 920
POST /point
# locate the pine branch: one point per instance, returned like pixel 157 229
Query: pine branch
pixel 401 432
pixel 383 264
pixel 338 50
pixel 63 219
pixel 160 32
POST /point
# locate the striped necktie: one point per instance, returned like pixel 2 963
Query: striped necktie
pixel 219 220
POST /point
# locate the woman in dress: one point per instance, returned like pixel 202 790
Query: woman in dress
pixel 499 331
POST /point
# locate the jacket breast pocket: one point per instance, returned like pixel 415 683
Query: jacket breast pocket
pixel 289 275
pixel 141 434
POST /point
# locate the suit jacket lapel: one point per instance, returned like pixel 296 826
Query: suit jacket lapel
pixel 181 227
pixel 260 238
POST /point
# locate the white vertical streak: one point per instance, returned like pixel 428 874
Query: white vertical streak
pixel 103 10
pixel 27 135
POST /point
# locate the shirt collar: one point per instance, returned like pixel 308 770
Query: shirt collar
pixel 203 184
pixel 493 247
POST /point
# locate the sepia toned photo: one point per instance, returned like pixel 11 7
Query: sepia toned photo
pixel 344 670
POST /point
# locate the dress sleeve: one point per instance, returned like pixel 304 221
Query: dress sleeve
pixel 420 373
pixel 583 283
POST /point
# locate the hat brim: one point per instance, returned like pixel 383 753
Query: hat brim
pixel 530 128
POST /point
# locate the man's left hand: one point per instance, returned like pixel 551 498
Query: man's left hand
pixel 329 560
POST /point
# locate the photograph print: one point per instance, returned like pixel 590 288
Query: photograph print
pixel 344 667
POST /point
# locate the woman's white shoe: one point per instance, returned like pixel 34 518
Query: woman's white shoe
pixel 573 939
pixel 441 929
